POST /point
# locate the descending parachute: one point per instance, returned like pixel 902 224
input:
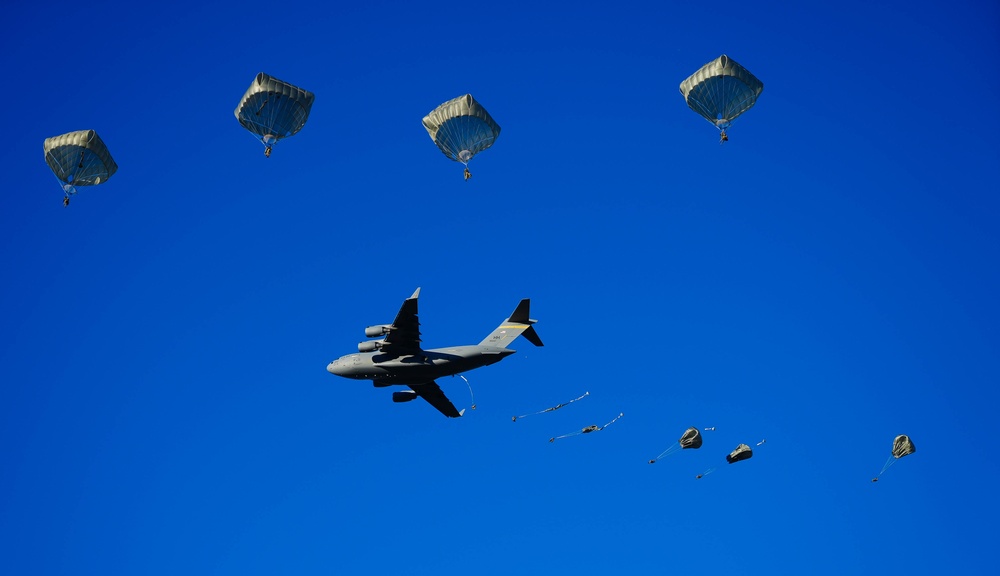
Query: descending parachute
pixel 901 446
pixel 461 128
pixel 552 409
pixel 691 439
pixel 742 452
pixel 720 91
pixel 588 429
pixel 79 159
pixel 272 110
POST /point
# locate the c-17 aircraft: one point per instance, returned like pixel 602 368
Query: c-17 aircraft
pixel 398 359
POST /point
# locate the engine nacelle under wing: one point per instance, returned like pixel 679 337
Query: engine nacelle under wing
pixel 369 346
pixel 404 396
pixel 376 331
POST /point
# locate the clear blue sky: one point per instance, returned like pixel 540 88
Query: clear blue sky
pixel 826 280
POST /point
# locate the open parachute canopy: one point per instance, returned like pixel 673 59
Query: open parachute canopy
pixel 742 452
pixel 902 446
pixel 721 90
pixel 272 109
pixel 690 439
pixel 79 159
pixel 461 128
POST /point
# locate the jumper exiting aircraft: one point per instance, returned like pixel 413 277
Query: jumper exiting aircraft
pixel 398 359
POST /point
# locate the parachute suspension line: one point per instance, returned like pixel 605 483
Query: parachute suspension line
pixel 552 409
pixel 620 414
pixel 888 463
pixel 674 448
pixel 473 407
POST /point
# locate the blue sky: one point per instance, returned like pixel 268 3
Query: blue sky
pixel 826 280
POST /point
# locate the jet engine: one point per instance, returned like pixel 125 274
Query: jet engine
pixel 404 396
pixel 376 331
pixel 369 346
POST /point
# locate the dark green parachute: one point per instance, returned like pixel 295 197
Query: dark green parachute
pixel 721 91
pixel 901 446
pixel 742 452
pixel 461 128
pixel 79 159
pixel 272 110
pixel 690 439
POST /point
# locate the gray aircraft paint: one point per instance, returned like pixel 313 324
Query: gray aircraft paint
pixel 399 360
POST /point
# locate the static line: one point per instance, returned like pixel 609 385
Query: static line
pixel 470 391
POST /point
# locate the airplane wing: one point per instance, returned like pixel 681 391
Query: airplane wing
pixel 404 335
pixel 436 398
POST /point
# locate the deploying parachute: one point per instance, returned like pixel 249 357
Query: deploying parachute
pixel 691 439
pixel 79 159
pixel 272 110
pixel 901 446
pixel 742 452
pixel 461 128
pixel 720 91
pixel 552 409
pixel 588 429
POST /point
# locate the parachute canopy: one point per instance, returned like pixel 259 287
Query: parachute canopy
pixel 79 159
pixel 272 109
pixel 742 452
pixel 461 128
pixel 902 446
pixel 721 90
pixel 690 439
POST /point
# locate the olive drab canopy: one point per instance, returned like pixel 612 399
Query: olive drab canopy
pixel 721 90
pixel 272 109
pixel 79 159
pixel 742 452
pixel 902 446
pixel 690 439
pixel 461 128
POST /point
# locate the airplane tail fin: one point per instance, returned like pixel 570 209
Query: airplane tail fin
pixel 519 324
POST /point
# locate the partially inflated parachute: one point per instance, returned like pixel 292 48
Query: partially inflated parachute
pixel 690 439
pixel 79 159
pixel 720 91
pixel 742 452
pixel 461 128
pixel 901 446
pixel 272 109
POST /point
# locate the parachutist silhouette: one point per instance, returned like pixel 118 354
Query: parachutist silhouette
pixel 723 137
pixel 66 201
pixel 267 152
pixel 467 173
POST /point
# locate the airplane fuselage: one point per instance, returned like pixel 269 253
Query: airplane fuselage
pixel 386 369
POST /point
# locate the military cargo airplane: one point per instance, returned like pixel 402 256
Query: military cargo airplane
pixel 398 359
